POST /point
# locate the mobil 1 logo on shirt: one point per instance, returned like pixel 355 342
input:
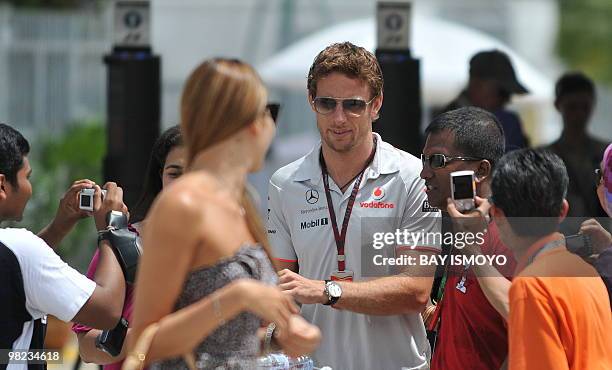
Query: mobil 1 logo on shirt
pixel 314 223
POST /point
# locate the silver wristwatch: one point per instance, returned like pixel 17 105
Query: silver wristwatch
pixel 333 291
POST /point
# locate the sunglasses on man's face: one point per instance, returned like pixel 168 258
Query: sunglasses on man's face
pixel 351 106
pixel 273 108
pixel 437 160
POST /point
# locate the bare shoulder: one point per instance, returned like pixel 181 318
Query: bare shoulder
pixel 180 204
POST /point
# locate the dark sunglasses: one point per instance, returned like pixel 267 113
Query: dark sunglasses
pixel 436 161
pixel 273 108
pixel 352 106
pixel 598 176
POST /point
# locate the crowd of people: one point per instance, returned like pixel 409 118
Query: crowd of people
pixel 217 288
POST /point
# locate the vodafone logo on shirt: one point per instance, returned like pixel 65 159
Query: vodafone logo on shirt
pixel 378 194
pixel 374 204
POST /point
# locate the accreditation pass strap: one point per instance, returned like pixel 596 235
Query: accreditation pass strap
pixel 340 236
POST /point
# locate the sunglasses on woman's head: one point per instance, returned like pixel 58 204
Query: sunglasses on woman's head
pixel 273 108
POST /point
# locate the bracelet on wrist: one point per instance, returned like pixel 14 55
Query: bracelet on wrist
pixel 217 309
pixel 267 344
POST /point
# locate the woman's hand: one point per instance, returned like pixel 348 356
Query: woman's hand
pixel 268 302
pixel 112 201
pixel 300 338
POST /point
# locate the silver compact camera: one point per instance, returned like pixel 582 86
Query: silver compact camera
pixel 86 199
pixel 463 189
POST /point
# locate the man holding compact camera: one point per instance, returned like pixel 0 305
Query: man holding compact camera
pixel 473 302
pixel 35 281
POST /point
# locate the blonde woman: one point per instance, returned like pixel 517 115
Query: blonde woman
pixel 207 252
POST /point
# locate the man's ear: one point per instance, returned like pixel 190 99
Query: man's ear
pixel 483 171
pixel 564 209
pixel 376 105
pixel 3 187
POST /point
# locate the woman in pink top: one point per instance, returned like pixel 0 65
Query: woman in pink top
pixel 165 165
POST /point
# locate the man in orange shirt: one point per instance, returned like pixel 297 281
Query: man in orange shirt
pixel 559 310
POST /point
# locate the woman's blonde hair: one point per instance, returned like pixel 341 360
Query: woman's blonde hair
pixel 221 97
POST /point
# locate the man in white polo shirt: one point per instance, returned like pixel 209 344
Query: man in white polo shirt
pixel 324 210
pixel 34 281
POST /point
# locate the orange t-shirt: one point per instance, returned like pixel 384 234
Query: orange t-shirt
pixel 560 314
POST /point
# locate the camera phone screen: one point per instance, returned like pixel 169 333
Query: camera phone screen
pixel 463 187
pixel 86 200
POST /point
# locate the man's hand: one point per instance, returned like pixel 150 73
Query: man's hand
pixel 68 214
pixel 600 237
pixel 427 314
pixel 472 222
pixel 68 211
pixel 113 201
pixel 304 291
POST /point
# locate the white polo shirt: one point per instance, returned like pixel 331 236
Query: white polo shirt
pixel 391 193
pixel 48 286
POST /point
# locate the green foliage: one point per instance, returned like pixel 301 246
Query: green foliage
pixel 585 37
pixel 56 163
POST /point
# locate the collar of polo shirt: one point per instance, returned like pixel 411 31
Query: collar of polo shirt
pixel 386 161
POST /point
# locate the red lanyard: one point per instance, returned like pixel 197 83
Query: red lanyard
pixel 340 237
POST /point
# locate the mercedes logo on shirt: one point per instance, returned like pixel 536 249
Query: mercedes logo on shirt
pixel 312 196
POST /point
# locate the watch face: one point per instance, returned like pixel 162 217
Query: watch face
pixel 334 290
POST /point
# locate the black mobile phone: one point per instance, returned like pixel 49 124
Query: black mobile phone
pixel 111 341
pixel 579 244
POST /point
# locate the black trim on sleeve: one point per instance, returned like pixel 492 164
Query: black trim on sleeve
pixel 13 311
